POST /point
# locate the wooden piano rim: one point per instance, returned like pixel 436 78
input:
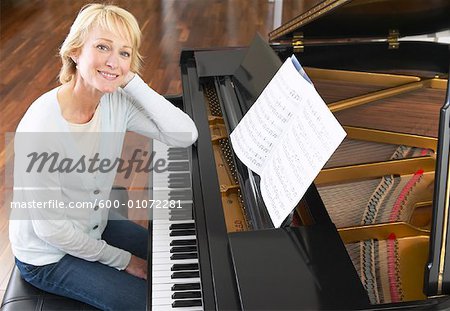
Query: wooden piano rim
pixel 305 18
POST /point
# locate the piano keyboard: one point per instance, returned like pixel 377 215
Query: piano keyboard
pixel 175 268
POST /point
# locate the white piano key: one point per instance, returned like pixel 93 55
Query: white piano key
pixel 168 294
pixel 167 260
pixel 167 216
pixel 164 258
pixel 168 280
pixel 167 255
pixel 161 231
pixel 160 238
pixel 168 240
pixel 168 275
pixel 163 287
pixel 169 308
pixel 162 267
pixel 167 287
pixel 166 223
pixel 179 249
pixel 162 294
pixel 165 233
pixel 167 301
pixel 165 180
pixel 162 273
pixel 161 255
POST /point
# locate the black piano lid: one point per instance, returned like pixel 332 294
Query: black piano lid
pixel 368 19
pixel 354 35
pixel 284 269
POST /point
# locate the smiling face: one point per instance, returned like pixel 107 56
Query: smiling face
pixel 104 61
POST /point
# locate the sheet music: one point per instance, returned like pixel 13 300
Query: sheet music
pixel 286 137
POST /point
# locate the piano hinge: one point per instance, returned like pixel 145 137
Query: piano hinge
pixel 393 39
pixel 297 42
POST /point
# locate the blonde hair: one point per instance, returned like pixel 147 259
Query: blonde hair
pixel 108 17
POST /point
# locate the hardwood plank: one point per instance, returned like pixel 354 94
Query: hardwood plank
pixel 7 260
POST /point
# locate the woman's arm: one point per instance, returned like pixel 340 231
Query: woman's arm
pixel 56 226
pixel 154 116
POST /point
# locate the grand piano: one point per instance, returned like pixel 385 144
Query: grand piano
pixel 371 232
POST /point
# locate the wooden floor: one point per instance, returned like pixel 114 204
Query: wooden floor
pixel 32 30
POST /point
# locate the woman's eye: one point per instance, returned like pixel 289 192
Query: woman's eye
pixel 125 54
pixel 102 47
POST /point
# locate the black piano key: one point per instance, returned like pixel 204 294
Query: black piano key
pixel 183 176
pixel 183 249
pixel 187 303
pixel 185 205
pixel 177 156
pixel 181 214
pixel 176 149
pixel 179 184
pixel 178 167
pixel 178 217
pixel 187 286
pixel 182 233
pixel 182 226
pixel 179 164
pixel 180 194
pixel 183 242
pixel 184 295
pixel 173 157
pixel 180 211
pixel 181 256
pixel 177 181
pixel 185 275
pixel 184 267
pixel 182 205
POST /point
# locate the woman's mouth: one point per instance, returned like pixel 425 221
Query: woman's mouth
pixel 107 75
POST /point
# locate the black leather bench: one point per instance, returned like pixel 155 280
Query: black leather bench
pixel 22 296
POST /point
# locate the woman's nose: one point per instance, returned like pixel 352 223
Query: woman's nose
pixel 112 61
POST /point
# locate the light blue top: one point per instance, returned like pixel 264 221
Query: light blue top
pixel 42 236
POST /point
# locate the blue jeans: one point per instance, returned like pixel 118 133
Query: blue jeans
pixel 94 283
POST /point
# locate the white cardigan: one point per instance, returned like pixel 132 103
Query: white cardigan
pixel 42 236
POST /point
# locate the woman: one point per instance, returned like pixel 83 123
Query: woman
pixel 77 252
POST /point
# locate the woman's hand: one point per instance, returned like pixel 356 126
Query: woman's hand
pixel 128 77
pixel 137 267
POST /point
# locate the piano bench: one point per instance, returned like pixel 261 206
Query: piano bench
pixel 21 295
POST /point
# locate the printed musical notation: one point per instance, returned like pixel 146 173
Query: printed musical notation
pixel 286 137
